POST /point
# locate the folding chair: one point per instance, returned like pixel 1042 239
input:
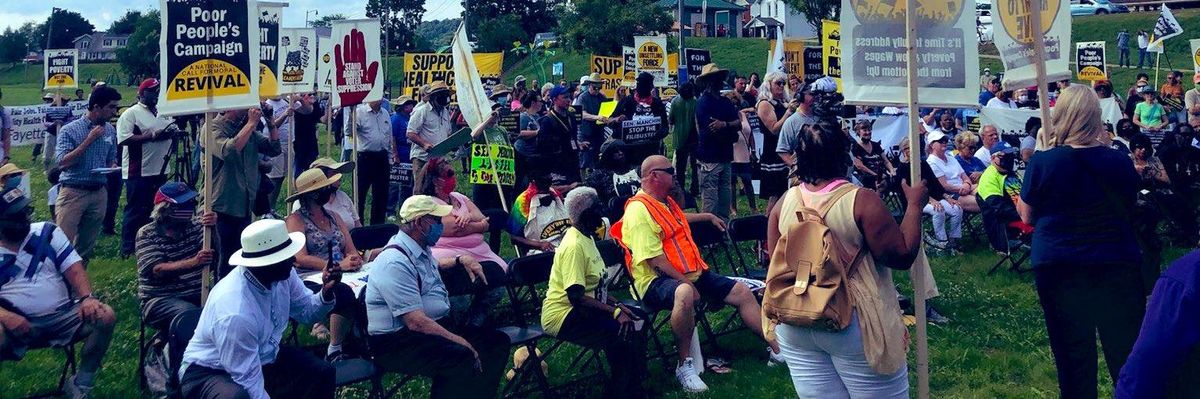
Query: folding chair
pixel 713 242
pixel 750 229
pixel 497 224
pixel 371 237
pixel 68 369
pixel 354 371
pixel 181 331
pixel 1015 255
pixel 525 275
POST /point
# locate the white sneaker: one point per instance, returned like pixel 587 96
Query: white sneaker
pixel 72 390
pixel 686 374
pixel 775 359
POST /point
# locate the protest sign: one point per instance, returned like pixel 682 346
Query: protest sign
pixel 652 57
pixel 641 130
pixel 793 56
pixel 557 69
pixel 492 162
pixel 875 67
pixel 695 59
pixel 61 68
pixel 473 102
pixel 27 121
pixel 669 91
pixel 357 76
pixel 299 71
pixel 425 68
pixel 1014 38
pixel 831 51
pixel 1196 55
pixel 325 64
pixel 611 71
pixel 268 48
pixel 630 57
pixel 1089 60
pixel 813 64
pixel 208 56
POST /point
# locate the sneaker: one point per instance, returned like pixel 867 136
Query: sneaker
pixel 71 390
pixel 686 374
pixel 335 357
pixel 775 359
pixel 932 316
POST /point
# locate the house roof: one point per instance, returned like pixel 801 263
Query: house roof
pixel 758 22
pixel 712 4
pixel 96 44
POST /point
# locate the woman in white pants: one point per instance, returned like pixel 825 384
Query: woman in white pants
pixel 943 211
pixel 867 358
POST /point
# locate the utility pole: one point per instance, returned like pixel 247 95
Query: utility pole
pixel 306 13
pixel 680 21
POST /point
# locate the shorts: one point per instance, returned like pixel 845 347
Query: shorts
pixel 56 329
pixel 773 183
pixel 660 294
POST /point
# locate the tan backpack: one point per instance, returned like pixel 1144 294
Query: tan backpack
pixel 808 275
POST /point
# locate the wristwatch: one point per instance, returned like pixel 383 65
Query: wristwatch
pixel 458 261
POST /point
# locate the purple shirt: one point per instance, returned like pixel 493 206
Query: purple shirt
pixel 1168 338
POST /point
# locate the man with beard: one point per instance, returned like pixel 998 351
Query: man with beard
pixel 235 351
pixel 170 257
pixel 45 296
pixel 429 124
pixel 144 165
pixel 643 104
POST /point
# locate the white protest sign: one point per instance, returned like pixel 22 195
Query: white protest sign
pixel 651 55
pixel 1014 38
pixel 298 73
pixel 358 67
pixel 60 68
pixel 28 121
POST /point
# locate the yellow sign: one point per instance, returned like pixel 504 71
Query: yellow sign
pixel 425 68
pixel 831 51
pixel 650 56
pixel 793 57
pixel 611 71
pixel 940 12
pixel 208 77
pixel 1016 17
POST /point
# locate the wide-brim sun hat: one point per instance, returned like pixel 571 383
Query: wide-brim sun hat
pixel 312 180
pixel 711 70
pixel 438 87
pixel 267 242
pixel 328 163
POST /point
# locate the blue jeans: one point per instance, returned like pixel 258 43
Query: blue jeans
pixel 1141 57
pixel 826 364
pixel 139 201
pixel 1123 60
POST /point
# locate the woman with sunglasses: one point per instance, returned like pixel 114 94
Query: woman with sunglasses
pixel 463 240
pixel 773 108
pixel 328 240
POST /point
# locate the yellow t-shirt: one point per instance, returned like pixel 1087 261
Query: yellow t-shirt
pixel 643 236
pixel 576 262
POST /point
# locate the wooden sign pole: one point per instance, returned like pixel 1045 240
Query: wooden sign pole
pixel 290 155
pixel 207 275
pixel 914 156
pixel 354 153
pixel 1039 65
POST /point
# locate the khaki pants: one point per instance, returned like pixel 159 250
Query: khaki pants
pixel 418 169
pixel 80 214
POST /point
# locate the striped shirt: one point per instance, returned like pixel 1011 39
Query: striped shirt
pixel 101 153
pixel 155 248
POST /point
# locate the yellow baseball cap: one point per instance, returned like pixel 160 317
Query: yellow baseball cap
pixel 421 205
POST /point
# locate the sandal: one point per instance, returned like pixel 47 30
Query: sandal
pixel 717 365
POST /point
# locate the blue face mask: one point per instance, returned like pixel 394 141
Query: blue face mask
pixel 11 183
pixel 434 234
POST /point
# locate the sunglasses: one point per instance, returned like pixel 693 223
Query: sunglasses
pixel 669 171
pixel 780 83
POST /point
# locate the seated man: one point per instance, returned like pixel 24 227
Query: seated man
pixel 667 268
pixel 408 305
pixel 235 352
pixel 169 256
pixel 1000 197
pixel 37 309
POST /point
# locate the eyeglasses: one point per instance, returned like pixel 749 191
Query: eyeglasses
pixel 669 171
pixel 780 83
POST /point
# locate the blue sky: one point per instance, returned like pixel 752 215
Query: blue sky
pixel 101 13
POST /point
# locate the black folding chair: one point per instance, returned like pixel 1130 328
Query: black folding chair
pixel 374 236
pixel 181 331
pixel 713 243
pixel 751 229
pixel 68 369
pixel 497 225
pixel 1016 254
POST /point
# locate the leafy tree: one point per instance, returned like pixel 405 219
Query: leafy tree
pixel 13 46
pixel 434 34
pixel 126 24
pixel 327 20
pixel 816 10
pixel 399 19
pixel 531 16
pixel 592 25
pixel 67 25
pixel 139 58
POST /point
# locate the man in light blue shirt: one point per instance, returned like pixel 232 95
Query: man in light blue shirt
pixel 235 352
pixel 84 146
pixel 407 305
pixel 374 140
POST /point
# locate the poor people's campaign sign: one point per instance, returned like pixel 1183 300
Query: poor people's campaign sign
pixel 209 56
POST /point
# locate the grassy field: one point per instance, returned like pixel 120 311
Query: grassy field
pixel 996 345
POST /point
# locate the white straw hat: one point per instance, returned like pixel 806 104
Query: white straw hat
pixel 265 243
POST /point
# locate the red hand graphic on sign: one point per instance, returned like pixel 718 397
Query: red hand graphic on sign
pixel 352 55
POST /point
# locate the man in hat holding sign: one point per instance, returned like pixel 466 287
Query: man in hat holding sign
pixel 235 351
pixel 430 124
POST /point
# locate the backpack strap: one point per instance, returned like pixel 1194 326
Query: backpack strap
pixel 410 259
pixel 807 211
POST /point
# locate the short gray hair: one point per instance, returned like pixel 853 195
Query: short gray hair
pixel 579 200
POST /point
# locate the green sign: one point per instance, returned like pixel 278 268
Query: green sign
pixel 491 163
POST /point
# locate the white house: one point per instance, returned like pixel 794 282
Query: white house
pixel 766 15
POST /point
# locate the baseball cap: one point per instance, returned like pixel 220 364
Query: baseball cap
pixel 13 202
pixel 421 205
pixel 823 85
pixel 175 193
pixel 557 90
pixel 935 135
pixel 149 83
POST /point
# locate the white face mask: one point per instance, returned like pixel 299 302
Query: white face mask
pixel 1023 98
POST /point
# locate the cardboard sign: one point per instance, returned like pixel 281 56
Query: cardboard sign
pixel 492 162
pixel 793 56
pixel 358 70
pixel 652 57
pixel 424 68
pixel 630 57
pixel 640 130
pixel 695 60
pixel 875 67
pixel 1089 59
pixel 299 71
pixel 813 64
pixel 61 68
pixel 208 56
pixel 1014 38
pixel 611 71
pixel 268 48
pixel 831 51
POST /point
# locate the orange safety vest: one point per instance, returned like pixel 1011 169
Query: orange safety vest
pixel 677 242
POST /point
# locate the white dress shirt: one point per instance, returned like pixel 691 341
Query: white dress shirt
pixel 374 129
pixel 242 324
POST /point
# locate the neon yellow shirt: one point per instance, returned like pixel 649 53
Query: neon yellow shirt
pixel 576 262
pixel 643 236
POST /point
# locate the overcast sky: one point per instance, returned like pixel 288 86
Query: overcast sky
pixel 101 13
